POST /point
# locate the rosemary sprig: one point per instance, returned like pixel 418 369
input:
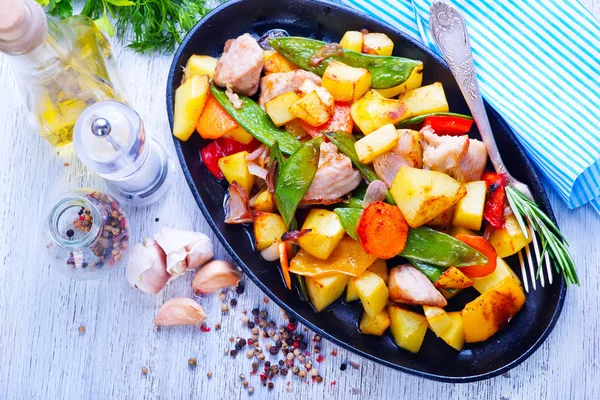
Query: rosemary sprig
pixel 552 239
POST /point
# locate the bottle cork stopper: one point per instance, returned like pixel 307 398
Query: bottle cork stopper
pixel 22 26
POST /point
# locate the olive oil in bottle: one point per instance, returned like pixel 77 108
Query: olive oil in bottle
pixel 62 66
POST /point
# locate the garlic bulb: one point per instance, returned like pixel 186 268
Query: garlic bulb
pixel 216 275
pixel 180 311
pixel 147 267
pixel 185 250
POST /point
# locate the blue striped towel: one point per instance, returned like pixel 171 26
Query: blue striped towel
pixel 538 65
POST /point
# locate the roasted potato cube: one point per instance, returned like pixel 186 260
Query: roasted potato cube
pixel 199 65
pixel 373 111
pixel 510 239
pixel 424 100
pixel 469 209
pixel 415 79
pixel 346 83
pixel 501 272
pixel 372 292
pixel 312 109
pixel 455 230
pixel 275 62
pixel 408 328
pixel 442 221
pixel 326 233
pixel 235 169
pixel 376 143
pixel 323 290
pixel 422 194
pixel 447 326
pixel 278 108
pixel 264 202
pixel 374 325
pixel 353 41
pixel 453 278
pixel 377 43
pixel 239 134
pixel 190 99
pixel 488 313
pixel 267 228
pixel 379 267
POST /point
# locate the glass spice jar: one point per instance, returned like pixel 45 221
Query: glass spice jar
pixel 88 234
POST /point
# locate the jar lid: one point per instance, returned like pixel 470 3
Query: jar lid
pixel 109 138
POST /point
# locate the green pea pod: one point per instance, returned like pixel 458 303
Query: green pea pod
pixel 432 272
pixel 355 203
pixel 276 155
pixel 295 178
pixel 427 245
pixel 386 71
pixel 349 219
pixel 256 121
pixel 345 143
pixel 420 118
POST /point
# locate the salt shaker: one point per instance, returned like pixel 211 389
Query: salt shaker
pixel 110 139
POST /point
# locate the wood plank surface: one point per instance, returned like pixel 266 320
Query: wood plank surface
pixel 43 356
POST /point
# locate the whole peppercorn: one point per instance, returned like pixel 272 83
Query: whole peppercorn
pixel 262 324
pixel 283 371
pixel 250 324
pixel 302 374
pixel 209 374
pixel 233 353
pixel 275 368
pixel 255 330
pixel 251 389
pixel 224 308
pixel 249 354
pixel 319 378
pixel 270 385
pixel 264 314
pixel 242 342
pixel 272 324
pixel 192 362
pixel 233 302
pixel 255 311
pixel 343 367
pixel 314 372
pixel 254 366
pixel 273 350
pixel 290 356
pixel 292 320
pixel 144 370
pixel 278 344
pixel 263 377
pixel 245 319
pixel 240 288
pixel 295 370
pixel 245 383
pixel 317 338
pixel 281 362
pixel 267 364
pixel 261 357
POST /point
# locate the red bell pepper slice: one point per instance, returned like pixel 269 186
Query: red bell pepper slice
pixel 448 125
pixel 484 247
pixel 219 148
pixel 341 120
pixel 495 199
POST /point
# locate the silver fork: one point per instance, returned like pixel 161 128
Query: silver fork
pixel 451 36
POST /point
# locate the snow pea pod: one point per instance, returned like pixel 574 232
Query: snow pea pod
pixel 349 219
pixel 386 71
pixel 295 178
pixel 427 245
pixel 432 272
pixel 420 118
pixel 345 143
pixel 256 121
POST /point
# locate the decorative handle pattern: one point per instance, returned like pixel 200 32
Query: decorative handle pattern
pixel 451 36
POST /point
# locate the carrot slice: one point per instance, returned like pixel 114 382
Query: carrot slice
pixel 285 264
pixel 484 247
pixel 382 230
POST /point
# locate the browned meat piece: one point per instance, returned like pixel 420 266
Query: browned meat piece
pixel 334 178
pixel 277 83
pixel 237 207
pixel 470 167
pixel 408 285
pixel 240 65
pixel 408 152
pixel 441 153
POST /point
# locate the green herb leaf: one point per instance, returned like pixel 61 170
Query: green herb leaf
pixel 60 8
pixel 105 25
pixel 121 3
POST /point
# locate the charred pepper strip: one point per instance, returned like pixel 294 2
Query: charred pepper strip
pixel 427 245
pixel 495 200
pixel 386 71
pixel 295 178
pixel 345 143
pixel 420 118
pixel 256 121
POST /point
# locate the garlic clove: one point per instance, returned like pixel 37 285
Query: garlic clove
pixel 216 275
pixel 180 311
pixel 179 244
pixel 271 253
pixel 146 268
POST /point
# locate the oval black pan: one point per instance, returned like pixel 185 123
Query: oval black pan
pixel 520 338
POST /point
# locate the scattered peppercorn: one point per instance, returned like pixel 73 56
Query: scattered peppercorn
pixel 70 233
pixel 233 302
pixel 224 308
pixel 264 314
pixel 320 358
pixel 255 311
pixel 81 329
pixel 334 353
pixel 192 362
pixel 302 374
pixel 242 377
pixel 318 378
pixel 240 288
pixel 209 374
pixel 343 367
pixel 270 385
pixel 222 296
pixel 266 300
pixel 144 370
pixel 250 324
pixel 254 366
pixel 233 353
pixel 156 219
pixel 354 365
pixel 245 383
pixel 242 342
pixel 273 350
pixel 217 326
pixel 251 390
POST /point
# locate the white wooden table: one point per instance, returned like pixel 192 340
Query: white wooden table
pixel 43 356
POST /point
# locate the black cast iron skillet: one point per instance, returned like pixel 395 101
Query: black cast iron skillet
pixel 436 360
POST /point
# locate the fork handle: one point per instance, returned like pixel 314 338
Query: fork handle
pixel 451 36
